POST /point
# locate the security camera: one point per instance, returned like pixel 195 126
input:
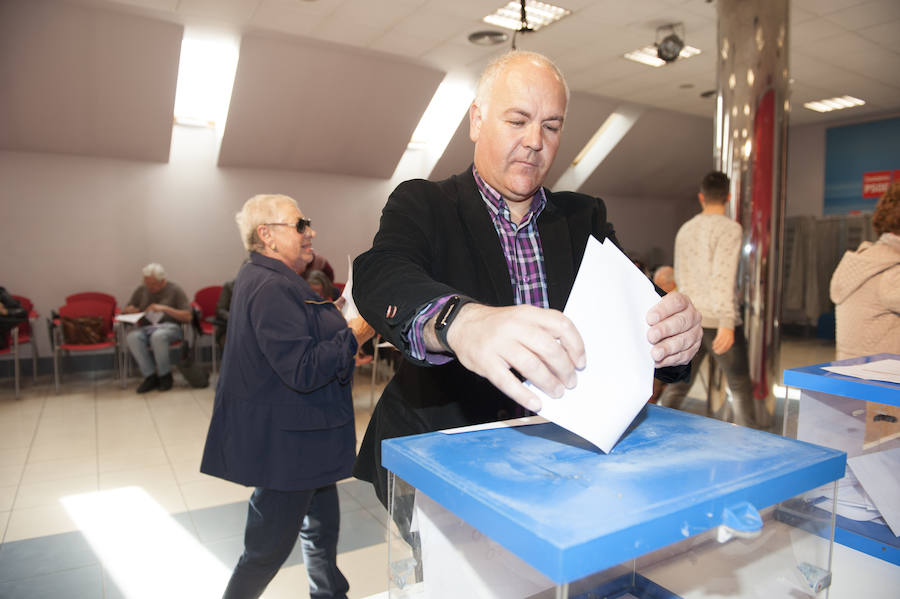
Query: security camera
pixel 670 46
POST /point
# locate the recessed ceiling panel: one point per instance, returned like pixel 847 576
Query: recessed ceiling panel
pixel 314 106
pixel 662 156
pixel 81 80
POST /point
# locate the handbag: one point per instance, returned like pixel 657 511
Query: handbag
pixel 196 375
pixel 83 330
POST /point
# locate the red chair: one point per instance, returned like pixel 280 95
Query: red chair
pixel 205 301
pixel 96 296
pixel 91 295
pixel 76 309
pixel 23 333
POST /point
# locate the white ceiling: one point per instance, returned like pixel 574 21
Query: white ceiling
pixel 837 46
pixel 338 86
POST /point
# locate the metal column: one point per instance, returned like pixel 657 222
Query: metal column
pixel 751 148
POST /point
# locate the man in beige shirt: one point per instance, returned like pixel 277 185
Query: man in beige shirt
pixel 707 249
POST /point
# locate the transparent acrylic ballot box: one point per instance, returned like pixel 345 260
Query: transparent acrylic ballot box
pixel 683 506
pixel 859 417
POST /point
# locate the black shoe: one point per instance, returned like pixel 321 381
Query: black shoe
pixel 150 383
pixel 165 382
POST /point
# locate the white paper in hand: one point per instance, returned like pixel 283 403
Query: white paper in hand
pixel 608 304
pixel 348 307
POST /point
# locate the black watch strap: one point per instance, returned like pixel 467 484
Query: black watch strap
pixel 446 317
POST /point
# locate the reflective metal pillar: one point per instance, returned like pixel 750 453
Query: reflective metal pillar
pixel 751 148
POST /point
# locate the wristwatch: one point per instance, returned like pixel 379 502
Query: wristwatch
pixel 446 316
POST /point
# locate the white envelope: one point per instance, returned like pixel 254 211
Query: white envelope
pixel 608 304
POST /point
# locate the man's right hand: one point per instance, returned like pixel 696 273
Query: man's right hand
pixel 542 345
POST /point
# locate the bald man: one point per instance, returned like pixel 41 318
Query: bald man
pixel 664 278
pixel 468 276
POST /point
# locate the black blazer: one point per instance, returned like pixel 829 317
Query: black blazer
pixel 435 239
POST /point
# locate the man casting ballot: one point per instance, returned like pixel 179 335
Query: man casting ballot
pixel 468 276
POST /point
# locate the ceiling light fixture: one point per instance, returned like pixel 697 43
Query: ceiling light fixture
pixel 834 104
pixel 668 43
pixel 488 37
pixel 537 15
pixel 648 55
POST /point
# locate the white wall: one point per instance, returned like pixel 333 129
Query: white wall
pixel 805 188
pixel 71 223
pixel 646 227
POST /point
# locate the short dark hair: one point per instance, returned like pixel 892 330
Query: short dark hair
pixel 886 218
pixel 715 187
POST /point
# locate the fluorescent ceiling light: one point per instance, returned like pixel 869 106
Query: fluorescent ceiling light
pixel 441 118
pixel 830 104
pixel 205 78
pixel 604 140
pixel 647 55
pixel 539 14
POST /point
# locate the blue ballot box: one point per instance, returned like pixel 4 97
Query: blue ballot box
pixel 854 415
pixel 683 504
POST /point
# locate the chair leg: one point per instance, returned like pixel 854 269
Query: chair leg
pixel 34 360
pixel 56 367
pixel 214 348
pixel 15 340
pixel 374 372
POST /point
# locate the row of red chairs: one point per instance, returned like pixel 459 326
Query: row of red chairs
pixel 101 305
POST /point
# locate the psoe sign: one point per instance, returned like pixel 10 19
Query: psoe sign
pixel 875 183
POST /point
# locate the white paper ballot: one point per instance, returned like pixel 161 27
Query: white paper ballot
pixel 877 473
pixel 887 370
pixel 129 318
pixel 348 306
pixel 608 304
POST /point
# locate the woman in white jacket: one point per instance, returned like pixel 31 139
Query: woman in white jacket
pixel 865 287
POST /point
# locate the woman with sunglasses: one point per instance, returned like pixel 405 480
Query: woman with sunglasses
pixel 283 415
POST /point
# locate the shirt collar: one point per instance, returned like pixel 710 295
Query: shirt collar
pixel 498 206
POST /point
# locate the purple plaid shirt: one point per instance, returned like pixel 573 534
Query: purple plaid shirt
pixel 524 258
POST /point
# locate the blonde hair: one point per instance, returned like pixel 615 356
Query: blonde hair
pixel 504 61
pixel 260 210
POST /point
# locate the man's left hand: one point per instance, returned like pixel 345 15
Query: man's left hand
pixel 674 330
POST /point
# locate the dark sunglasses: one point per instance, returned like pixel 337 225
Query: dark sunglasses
pixel 300 226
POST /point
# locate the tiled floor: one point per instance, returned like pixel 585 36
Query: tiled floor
pixel 101 497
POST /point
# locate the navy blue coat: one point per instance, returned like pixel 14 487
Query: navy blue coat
pixel 283 413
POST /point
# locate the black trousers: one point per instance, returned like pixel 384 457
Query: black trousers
pixel 274 519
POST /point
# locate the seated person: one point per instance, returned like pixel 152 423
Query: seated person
pixel 11 315
pixel 222 308
pixel 322 285
pixel 321 264
pixel 165 306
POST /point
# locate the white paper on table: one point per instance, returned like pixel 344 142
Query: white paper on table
pixel 348 307
pixel 608 304
pixel 513 422
pixel 887 370
pixel 129 318
pixel 877 473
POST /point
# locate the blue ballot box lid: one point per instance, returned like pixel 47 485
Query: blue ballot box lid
pixel 816 378
pixel 570 510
